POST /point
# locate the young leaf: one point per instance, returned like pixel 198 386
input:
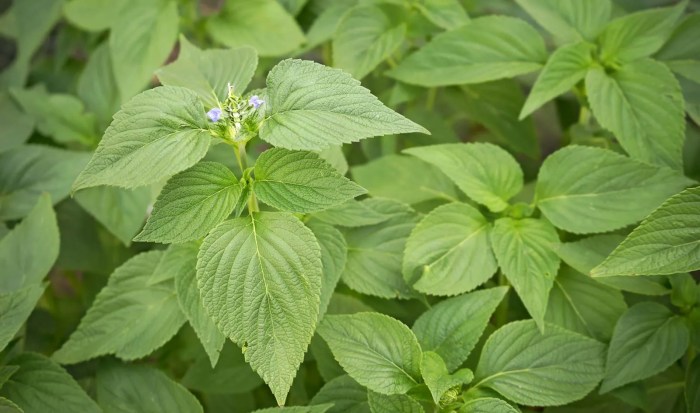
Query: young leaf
pixel 379 352
pixel 581 189
pixel 121 211
pixel 345 394
pixel 192 203
pixel 300 181
pixel 438 379
pixel 142 389
pixel 260 280
pixel 449 251
pixel 312 107
pixel 15 308
pixel 155 135
pixel 487 405
pixel 446 14
pixel 487 48
pixel 128 318
pixel 536 369
pixel 334 253
pixel 485 172
pixel 570 20
pixel 666 242
pixel 30 249
pixel 231 374
pixel 452 327
pixel 382 403
pixel 566 67
pixel 646 328
pixel 525 252
pixel 641 103
pixel 43 386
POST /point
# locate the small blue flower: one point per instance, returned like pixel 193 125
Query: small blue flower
pixel 255 101
pixel 214 115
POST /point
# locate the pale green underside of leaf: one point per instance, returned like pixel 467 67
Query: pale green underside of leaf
pixel 485 172
pixel 300 181
pixel 449 251
pixel 487 48
pixel 128 318
pixel 550 369
pixel 120 210
pixel 15 307
pixel 452 327
pixel 586 190
pixel 642 105
pixel 525 252
pixel 260 280
pixel 155 135
pixel 312 107
pixel 666 242
pixel 645 329
pixel 570 20
pixel 192 203
pixel 487 405
pixel 346 395
pixel 379 352
pixel 382 403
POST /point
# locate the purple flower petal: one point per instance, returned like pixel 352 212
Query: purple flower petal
pixel 255 101
pixel 214 115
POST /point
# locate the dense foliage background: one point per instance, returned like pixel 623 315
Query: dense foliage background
pixel 535 137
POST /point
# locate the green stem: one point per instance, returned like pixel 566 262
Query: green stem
pixel 241 156
pixel 430 102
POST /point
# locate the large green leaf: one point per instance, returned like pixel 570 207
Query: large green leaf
pixel 141 389
pixel 312 107
pixel 263 24
pixel 260 280
pixel 487 405
pixel 30 249
pixel 155 135
pixel 584 189
pixel 487 48
pixel 192 203
pixel 449 251
pixel 525 252
pixel 346 395
pixel 231 374
pixel 642 105
pixel 210 72
pixel 645 329
pixel 366 36
pixel 379 352
pixel 570 20
pixel 120 210
pixel 15 308
pixel 129 317
pixel 93 15
pixel 485 172
pixel 300 181
pixel 334 252
pixel 666 242
pixel 42 386
pixel 452 327
pixel 537 369
pixel 28 171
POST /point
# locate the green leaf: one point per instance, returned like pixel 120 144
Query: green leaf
pixel 584 189
pixel 395 403
pixel 646 328
pixel 30 249
pixel 185 275
pixel 438 379
pixel 312 107
pixel 6 406
pixel 639 34
pixel 351 214
pixel 231 374
pixel 17 125
pixel 525 252
pixel 121 211
pixel 264 25
pixel 536 369
pixel 97 86
pixel 446 14
pixel 141 389
pixel 488 48
pixel 346 395
pixel 449 251
pixel 297 409
pixel 642 105
pixel 209 72
pixel 15 308
pixel 260 279
pixel 42 386
pixel 192 203
pixel 379 352
pixel 452 327
pixel 128 318
pixel 584 305
pixel 366 36
pixel 682 53
pixel 666 242
pixel 570 20
pixel 485 172
pixel 404 179
pixel 334 252
pixel 566 67
pixel 692 386
pixel 28 171
pixel 155 135
pixel 300 181
pixel 93 15
pixel 141 39
pixel 375 252
pixel 487 405
pixel 325 25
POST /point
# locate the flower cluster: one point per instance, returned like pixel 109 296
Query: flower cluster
pixel 235 113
